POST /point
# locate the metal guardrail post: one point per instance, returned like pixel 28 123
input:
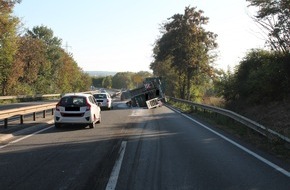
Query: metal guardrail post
pixel 5 123
pixel 21 119
pixel 21 112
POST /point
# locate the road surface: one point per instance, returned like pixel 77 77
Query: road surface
pixel 137 149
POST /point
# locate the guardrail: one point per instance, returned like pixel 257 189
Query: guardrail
pixel 6 114
pixel 32 96
pixel 239 118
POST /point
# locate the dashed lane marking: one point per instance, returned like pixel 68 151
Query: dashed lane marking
pixel 117 167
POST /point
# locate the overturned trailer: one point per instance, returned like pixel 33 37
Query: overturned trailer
pixel 150 94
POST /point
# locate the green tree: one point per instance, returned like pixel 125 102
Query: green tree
pixel 97 81
pixel 144 74
pixel 86 81
pixel 28 62
pixel 107 82
pixel 168 75
pixel 122 80
pixel 71 78
pixel 186 46
pixel 53 53
pixel 45 34
pixel 58 71
pixel 225 85
pixel 8 41
pixel 274 17
pixel 139 77
pixel 262 76
pixel 137 80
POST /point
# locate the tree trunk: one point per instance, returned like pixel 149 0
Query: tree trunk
pixel 4 84
pixel 189 76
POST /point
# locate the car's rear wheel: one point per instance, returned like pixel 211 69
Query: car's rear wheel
pixel 99 121
pixel 57 125
pixel 92 125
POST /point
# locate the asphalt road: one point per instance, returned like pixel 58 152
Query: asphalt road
pixel 137 149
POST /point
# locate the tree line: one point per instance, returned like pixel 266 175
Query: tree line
pixel 184 54
pixel 34 62
pixel 263 75
pixel 122 80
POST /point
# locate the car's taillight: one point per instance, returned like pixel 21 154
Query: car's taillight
pixel 88 106
pixel 57 107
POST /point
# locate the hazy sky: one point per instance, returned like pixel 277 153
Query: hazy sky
pixel 118 35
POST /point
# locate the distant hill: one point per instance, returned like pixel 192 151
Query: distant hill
pixel 101 73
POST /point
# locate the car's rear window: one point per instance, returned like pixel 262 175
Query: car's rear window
pixel 73 100
pixel 100 96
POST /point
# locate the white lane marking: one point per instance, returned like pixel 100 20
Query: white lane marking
pixel 276 167
pixel 25 137
pixel 117 167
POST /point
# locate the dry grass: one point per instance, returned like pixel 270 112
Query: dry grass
pixel 275 116
pixel 214 101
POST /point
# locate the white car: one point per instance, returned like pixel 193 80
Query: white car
pixel 104 99
pixel 77 108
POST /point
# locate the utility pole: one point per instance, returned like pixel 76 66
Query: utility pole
pixel 66 47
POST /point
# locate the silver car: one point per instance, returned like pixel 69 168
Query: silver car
pixel 77 108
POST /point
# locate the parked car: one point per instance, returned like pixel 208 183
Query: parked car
pixel 77 108
pixel 104 99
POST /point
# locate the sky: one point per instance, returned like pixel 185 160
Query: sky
pixel 119 35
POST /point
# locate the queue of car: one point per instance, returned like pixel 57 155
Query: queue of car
pixel 82 108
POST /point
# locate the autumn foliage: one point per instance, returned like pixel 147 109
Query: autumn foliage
pixel 34 62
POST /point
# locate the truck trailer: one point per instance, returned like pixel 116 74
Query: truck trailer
pixel 150 94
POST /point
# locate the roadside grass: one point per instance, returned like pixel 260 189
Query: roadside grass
pixel 272 145
pixel 3 102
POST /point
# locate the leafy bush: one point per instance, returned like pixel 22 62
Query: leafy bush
pixel 262 76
